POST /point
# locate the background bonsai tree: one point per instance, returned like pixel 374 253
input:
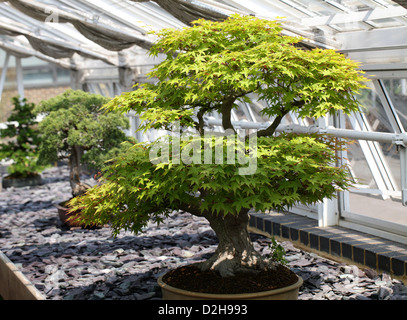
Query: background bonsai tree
pixel 21 140
pixel 209 67
pixel 76 129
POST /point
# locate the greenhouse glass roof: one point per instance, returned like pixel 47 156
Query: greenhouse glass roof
pixel 70 33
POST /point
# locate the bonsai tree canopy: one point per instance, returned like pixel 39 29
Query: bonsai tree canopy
pixel 76 129
pixel 208 68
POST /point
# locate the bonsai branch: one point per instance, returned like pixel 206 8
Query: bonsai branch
pixel 200 125
pixel 194 210
pixel 277 120
pixel 272 128
pixel 78 188
pixel 226 110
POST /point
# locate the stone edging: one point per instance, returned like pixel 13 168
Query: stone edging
pixel 358 247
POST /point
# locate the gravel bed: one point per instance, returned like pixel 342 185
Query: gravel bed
pixel 80 264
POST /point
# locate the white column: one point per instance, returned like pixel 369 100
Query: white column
pixel 403 84
pixel 4 73
pixel 328 213
pixel 328 208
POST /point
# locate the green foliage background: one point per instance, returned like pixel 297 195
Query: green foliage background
pixel 23 143
pixel 75 118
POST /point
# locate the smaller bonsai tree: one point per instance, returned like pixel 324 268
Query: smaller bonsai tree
pixel 76 129
pixel 21 141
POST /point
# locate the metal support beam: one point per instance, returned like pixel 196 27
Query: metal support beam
pixel 362 16
pixel 342 133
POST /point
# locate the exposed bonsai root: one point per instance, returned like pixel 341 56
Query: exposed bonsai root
pixel 229 263
pixel 79 189
pixel 235 252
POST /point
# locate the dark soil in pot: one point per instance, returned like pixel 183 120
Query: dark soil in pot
pixel 193 279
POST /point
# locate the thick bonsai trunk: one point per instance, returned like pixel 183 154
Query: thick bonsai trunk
pixel 78 188
pixel 235 252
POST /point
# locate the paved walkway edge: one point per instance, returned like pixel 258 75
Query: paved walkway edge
pixel 338 242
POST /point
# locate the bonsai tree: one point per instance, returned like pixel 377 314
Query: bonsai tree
pixel 76 129
pixel 21 141
pixel 209 67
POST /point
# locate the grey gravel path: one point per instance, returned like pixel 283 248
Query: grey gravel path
pixel 84 264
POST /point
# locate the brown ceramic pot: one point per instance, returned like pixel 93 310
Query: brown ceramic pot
pixel 67 218
pixel 8 182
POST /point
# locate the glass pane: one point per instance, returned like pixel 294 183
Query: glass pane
pixel 11 81
pixel 386 23
pixel 6 105
pixel 392 159
pixel 9 91
pixel 63 75
pixel 359 167
pixel 38 76
pixel 373 109
pixel 389 211
pixel 397 90
pixel 103 87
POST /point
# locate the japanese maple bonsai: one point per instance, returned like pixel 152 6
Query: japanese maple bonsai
pixel 76 129
pixel 208 68
pixel 21 140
